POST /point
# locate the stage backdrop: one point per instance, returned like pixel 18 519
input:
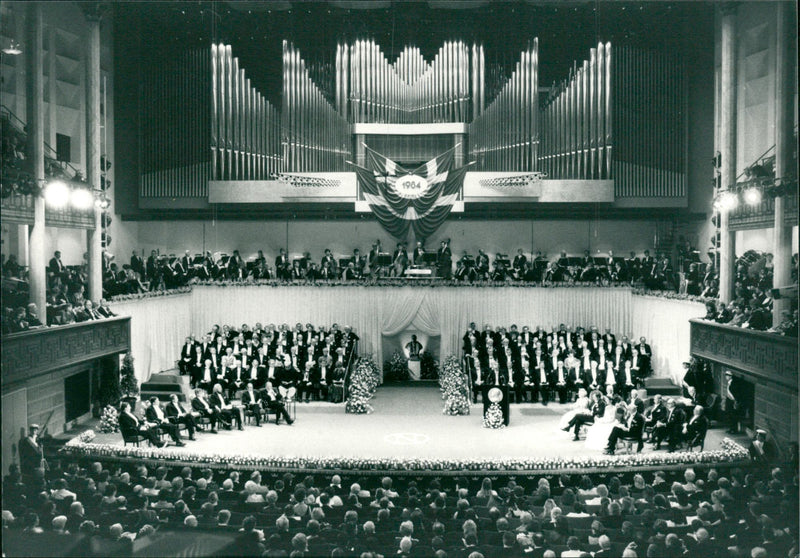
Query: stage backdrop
pixel 160 324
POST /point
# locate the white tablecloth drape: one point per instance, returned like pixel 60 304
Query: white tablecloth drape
pixel 161 324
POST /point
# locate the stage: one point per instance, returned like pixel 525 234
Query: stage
pixel 407 431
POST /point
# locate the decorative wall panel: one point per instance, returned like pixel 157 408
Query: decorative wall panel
pixel 32 353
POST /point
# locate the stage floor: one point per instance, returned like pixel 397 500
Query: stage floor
pixel 407 423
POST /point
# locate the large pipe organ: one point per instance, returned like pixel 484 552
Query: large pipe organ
pixel 506 135
pixel 618 116
pixel 317 136
pixel 246 141
pixel 369 88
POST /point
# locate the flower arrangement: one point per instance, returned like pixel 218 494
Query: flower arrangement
pixel 453 384
pixel 150 294
pixel 671 295
pixel 493 417
pixel 363 382
pixel 109 420
pixel 733 455
pixel 87 436
pixel 396 369
pixel 429 368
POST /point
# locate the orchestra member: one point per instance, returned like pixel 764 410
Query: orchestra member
pixel 444 260
pixel 282 265
pixel 519 265
pixel 482 266
pixel 418 254
pixel 399 260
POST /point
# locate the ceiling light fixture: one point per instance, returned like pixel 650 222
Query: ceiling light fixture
pixel 12 49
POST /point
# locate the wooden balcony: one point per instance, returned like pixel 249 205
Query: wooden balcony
pixel 762 215
pixel 766 360
pixel 29 354
pixel 18 209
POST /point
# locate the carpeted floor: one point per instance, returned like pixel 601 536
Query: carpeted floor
pixel 407 422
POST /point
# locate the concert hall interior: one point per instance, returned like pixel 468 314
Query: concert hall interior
pixel 434 278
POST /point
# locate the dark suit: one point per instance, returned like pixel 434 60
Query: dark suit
pixel 696 430
pixel 30 455
pixel 274 402
pixel 188 357
pixel 633 430
pixel 444 259
pixel 252 402
pixel 671 428
pixel 178 415
pixel 163 423
pixel 219 402
pixel 206 410
pixel 129 424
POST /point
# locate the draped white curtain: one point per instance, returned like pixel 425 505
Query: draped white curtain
pixel 377 311
pixel 158 327
pixel 665 324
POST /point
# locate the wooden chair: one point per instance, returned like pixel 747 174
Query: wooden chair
pixel 627 442
pixel 132 437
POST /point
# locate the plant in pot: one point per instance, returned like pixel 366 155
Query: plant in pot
pixel 129 385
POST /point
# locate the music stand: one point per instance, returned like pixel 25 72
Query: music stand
pixel 429 258
pixel 384 259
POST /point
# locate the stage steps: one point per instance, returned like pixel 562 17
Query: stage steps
pixel 164 384
pixel 664 386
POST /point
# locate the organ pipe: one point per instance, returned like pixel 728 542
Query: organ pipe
pixel 504 135
pixel 245 130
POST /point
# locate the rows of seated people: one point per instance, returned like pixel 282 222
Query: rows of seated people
pixel 206 409
pixel 753 302
pixel 162 271
pixel 305 360
pixel 540 365
pixel 60 311
pixel 101 510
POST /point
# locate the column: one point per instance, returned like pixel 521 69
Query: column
pixel 93 147
pixel 23 244
pixel 786 59
pixel 727 146
pixel 34 104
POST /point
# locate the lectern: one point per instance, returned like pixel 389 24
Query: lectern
pixel 495 394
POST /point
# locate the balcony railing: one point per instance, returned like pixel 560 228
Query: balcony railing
pixel 32 353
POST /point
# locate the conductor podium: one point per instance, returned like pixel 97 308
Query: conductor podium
pixel 495 394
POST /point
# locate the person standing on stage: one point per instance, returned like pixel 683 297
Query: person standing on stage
pixel 414 348
pixel 444 259
pixel 30 451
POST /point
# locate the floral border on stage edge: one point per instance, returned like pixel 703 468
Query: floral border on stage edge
pixel 732 453
pixel 398 282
